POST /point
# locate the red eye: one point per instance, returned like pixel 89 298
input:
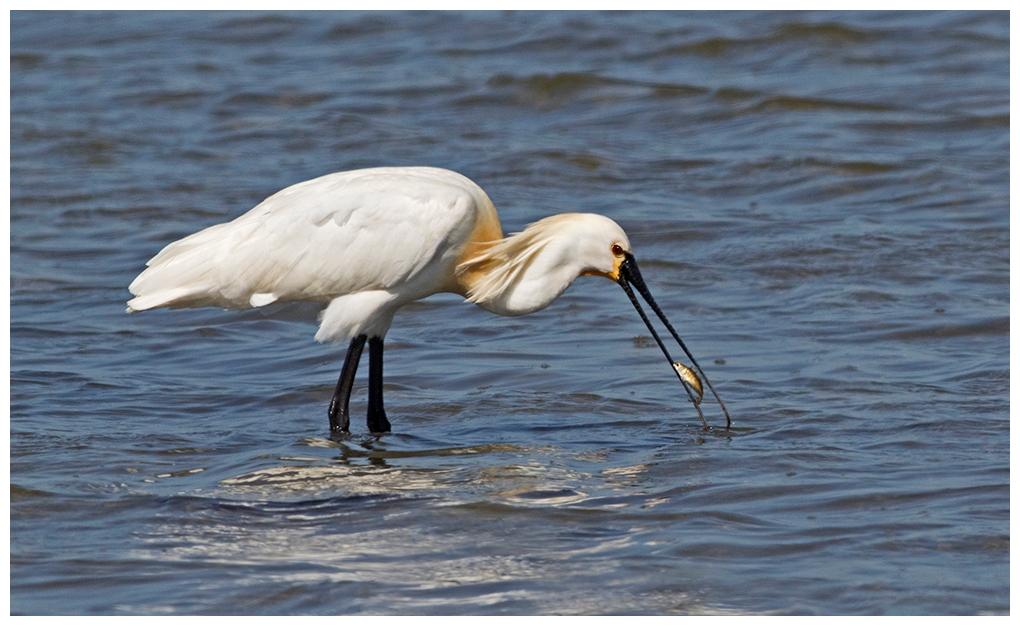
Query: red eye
pixel 617 249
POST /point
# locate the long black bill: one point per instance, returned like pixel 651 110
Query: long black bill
pixel 629 275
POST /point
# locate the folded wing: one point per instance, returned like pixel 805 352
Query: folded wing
pixel 378 229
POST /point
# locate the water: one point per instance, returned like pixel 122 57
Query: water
pixel 818 201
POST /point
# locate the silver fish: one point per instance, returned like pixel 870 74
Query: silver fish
pixel 688 376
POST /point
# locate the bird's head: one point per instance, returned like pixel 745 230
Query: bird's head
pixel 601 246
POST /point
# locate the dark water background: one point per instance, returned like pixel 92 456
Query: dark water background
pixel 819 201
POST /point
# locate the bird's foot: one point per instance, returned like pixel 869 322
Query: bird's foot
pixel 339 421
pixel 377 423
pixel 339 436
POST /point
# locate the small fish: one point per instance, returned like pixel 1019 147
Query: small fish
pixel 688 376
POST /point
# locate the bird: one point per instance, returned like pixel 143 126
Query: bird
pixel 365 243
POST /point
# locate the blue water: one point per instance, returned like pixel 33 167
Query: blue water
pixel 819 201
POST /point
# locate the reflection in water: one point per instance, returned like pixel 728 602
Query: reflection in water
pixel 254 520
pixel 545 481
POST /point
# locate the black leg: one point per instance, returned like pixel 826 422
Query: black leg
pixel 339 411
pixel 377 422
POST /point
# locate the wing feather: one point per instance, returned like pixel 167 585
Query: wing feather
pixel 378 229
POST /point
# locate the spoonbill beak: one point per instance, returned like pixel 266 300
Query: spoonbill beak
pixel 630 275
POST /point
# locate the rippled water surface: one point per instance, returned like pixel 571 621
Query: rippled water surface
pixel 820 203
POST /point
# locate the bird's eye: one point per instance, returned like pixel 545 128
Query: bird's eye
pixel 617 249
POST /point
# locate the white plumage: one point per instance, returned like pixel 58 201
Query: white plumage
pixel 367 242
pixel 377 238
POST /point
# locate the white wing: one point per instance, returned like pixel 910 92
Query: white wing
pixel 376 229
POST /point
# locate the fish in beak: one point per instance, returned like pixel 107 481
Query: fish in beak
pixel 629 275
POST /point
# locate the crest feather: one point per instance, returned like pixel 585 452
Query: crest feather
pixel 501 265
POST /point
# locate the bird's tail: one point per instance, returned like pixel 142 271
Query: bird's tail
pixel 183 274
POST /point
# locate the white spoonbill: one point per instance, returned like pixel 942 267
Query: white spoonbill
pixel 367 242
